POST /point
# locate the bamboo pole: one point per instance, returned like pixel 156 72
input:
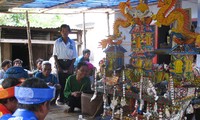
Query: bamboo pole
pixel 108 22
pixel 84 31
pixel 29 43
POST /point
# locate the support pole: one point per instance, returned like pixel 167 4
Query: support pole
pixel 29 43
pixel 197 30
pixel 0 46
pixel 108 22
pixel 198 18
pixel 84 31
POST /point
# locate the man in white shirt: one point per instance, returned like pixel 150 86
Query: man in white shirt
pixel 64 52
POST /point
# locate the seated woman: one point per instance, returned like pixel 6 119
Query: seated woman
pixel 75 84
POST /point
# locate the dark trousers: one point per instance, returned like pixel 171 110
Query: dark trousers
pixel 64 64
pixel 73 102
pixel 62 80
pixel 56 95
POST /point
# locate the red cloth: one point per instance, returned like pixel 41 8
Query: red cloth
pixel 4 110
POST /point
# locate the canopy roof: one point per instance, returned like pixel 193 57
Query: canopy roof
pixel 77 3
pixel 66 6
pixel 47 5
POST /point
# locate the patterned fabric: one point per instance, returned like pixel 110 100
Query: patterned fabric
pixel 27 95
pixel 180 92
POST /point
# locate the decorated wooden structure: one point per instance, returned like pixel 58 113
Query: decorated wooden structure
pixel 145 90
pixel 114 58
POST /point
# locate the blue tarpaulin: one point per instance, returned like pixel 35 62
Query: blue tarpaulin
pixel 78 3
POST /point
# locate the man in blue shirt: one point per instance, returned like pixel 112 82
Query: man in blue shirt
pixel 49 78
pixel 83 58
pixel 33 97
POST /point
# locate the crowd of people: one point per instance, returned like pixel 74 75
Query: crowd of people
pixel 25 94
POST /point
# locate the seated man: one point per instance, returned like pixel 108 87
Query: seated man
pixel 49 78
pixel 17 62
pixel 38 66
pixel 75 85
pixel 8 102
pixel 34 97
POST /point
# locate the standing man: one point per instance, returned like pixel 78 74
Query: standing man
pixel 83 58
pixel 64 52
pixel 38 66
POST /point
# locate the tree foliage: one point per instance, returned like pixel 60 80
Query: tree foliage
pixel 35 20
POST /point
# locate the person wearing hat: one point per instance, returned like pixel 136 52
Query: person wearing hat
pixel 8 102
pixel 16 72
pixel 33 97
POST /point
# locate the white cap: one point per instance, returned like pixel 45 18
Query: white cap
pixel 80 116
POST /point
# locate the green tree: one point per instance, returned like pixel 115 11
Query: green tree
pixel 35 20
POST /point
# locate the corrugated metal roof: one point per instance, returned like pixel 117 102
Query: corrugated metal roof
pixel 36 28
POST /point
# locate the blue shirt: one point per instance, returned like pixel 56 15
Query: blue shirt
pixel 20 114
pixel 78 60
pixel 51 78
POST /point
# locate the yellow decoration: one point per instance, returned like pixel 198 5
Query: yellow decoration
pixel 138 42
pixel 112 80
pixel 142 7
pixel 178 69
pixel 188 63
pixel 161 76
pixel 129 73
pixel 124 23
pixel 148 64
pixel 182 18
pixel 148 39
pixel 139 63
